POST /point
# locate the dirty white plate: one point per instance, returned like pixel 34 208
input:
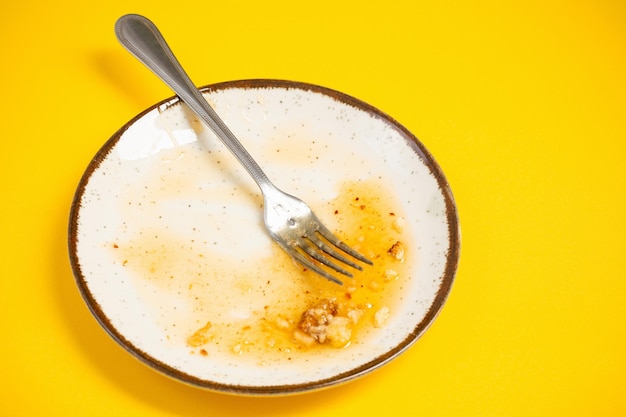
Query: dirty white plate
pixel 169 251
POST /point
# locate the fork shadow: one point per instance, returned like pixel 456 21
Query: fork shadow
pixel 146 385
pixel 118 70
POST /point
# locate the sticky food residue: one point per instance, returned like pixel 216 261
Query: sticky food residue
pixel 271 308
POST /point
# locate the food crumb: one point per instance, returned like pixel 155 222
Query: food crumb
pixel 315 320
pixel 327 321
pixel 398 224
pixel 303 339
pixel 397 251
pixel 355 315
pixel 339 332
pixel 390 275
pixel 282 323
pixel 381 317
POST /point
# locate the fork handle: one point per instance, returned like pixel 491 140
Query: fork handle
pixel 144 40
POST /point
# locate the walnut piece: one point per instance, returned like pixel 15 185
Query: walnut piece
pixel 323 323
pixel 316 319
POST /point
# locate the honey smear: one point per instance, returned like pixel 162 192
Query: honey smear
pixel 305 313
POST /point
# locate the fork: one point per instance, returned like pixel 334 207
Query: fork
pixel 289 220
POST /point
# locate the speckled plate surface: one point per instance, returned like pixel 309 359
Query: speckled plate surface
pixel 169 252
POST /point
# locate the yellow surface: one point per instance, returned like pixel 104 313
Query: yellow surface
pixel 522 103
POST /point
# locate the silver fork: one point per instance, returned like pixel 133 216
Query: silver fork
pixel 290 221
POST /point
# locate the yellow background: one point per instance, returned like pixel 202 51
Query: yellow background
pixel 521 102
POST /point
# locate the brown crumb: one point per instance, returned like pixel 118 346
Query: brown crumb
pixel 325 323
pixel 315 320
pixel 397 251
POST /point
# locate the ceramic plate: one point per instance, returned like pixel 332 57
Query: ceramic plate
pixel 169 251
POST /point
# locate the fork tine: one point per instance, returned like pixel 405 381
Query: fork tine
pixel 329 236
pixel 304 261
pixel 318 256
pixel 323 246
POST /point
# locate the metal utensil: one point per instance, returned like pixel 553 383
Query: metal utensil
pixel 290 221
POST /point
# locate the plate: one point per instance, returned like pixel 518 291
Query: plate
pixel 168 248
